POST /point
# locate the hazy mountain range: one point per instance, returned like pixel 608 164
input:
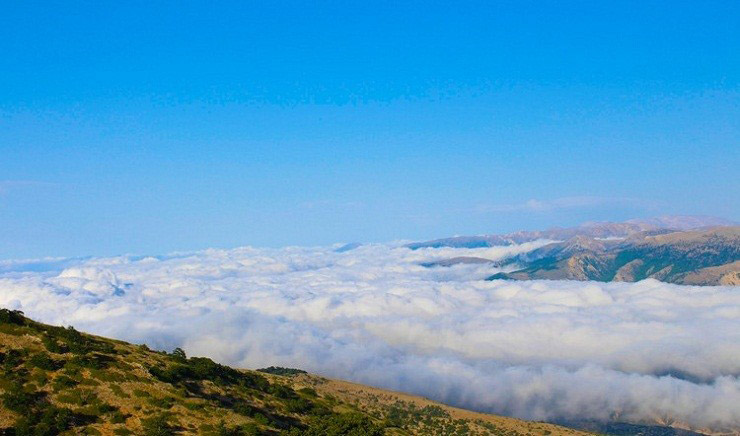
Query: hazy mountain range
pixel 683 250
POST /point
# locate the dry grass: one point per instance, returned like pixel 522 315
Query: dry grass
pixel 374 401
pixel 119 394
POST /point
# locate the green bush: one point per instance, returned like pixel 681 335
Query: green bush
pixel 120 393
pixel 77 397
pixel 89 382
pixel 141 393
pixel 63 382
pixel 20 401
pixel 69 340
pixel 92 361
pixel 221 429
pixel 12 358
pixel 179 355
pixel 40 377
pixel 44 361
pixel 203 368
pixel 351 424
pixel 53 420
pixel 162 403
pixel 260 418
pixel 279 370
pixel 298 405
pixel 12 317
pixel 92 431
pixel 244 409
pixel 158 425
pixel 308 392
pixel 282 391
pixel 118 417
pixel 107 375
pixel 53 346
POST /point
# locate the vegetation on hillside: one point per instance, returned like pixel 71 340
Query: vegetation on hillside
pixel 56 380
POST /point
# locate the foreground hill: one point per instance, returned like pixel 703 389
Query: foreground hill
pixel 56 380
pixel 702 257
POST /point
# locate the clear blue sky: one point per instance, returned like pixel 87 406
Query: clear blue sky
pixel 147 127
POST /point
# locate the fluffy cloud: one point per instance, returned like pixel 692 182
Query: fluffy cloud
pixel 644 352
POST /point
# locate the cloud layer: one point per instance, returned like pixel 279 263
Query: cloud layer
pixel 644 352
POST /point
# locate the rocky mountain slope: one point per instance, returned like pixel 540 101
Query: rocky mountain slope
pixel 56 380
pixel 700 257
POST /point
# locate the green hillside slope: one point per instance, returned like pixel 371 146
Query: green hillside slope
pixel 56 380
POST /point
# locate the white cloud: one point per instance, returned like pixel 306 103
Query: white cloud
pixel 648 351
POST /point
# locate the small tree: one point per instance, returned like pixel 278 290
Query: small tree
pixel 179 354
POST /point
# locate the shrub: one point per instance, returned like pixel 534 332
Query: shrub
pixel 53 420
pixel 309 392
pixel 92 361
pixel 18 400
pixel 434 411
pixel 53 346
pixel 203 368
pixel 250 429
pixel 298 405
pixel 104 408
pixel 118 417
pixel 282 391
pixel 44 361
pixel 120 393
pixel 71 369
pixel 221 429
pixel 157 425
pixel 179 355
pixel 351 424
pixel 89 382
pixel 40 377
pixel 279 370
pixel 243 409
pixel 162 403
pixel 78 397
pixel 141 393
pixel 12 358
pixel 260 418
pixel 12 317
pixel 63 382
pixel 107 375
pixel 66 340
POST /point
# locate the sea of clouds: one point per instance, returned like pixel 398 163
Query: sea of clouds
pixel 546 350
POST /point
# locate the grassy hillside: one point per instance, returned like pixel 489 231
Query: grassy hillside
pixel 56 380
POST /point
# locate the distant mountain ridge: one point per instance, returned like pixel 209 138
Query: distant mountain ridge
pixel 688 252
pixel 699 257
pixel 590 229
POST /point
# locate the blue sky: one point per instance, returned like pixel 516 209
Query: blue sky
pixel 148 127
